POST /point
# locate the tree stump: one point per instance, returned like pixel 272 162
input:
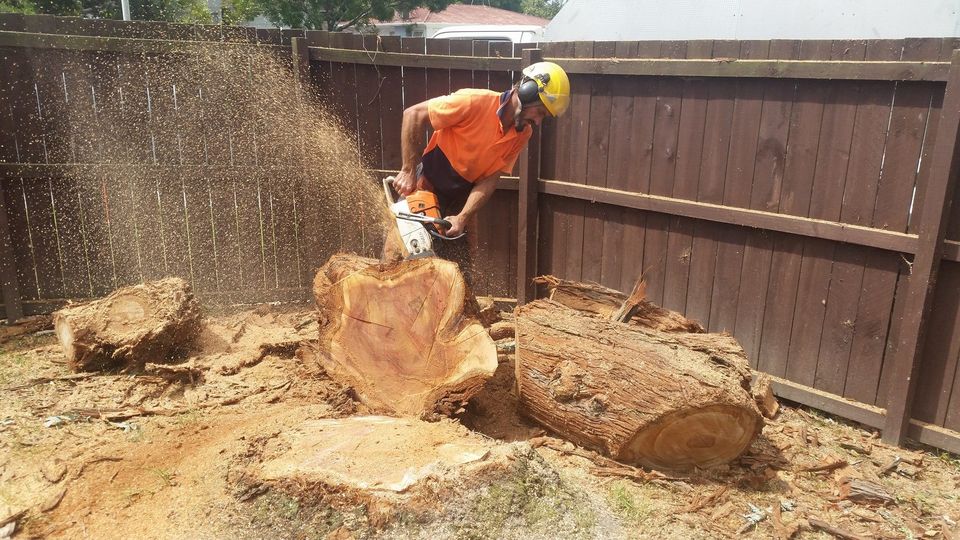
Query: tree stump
pixel 155 322
pixel 637 395
pixel 400 334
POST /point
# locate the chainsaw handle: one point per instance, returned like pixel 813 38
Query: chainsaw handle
pixel 388 189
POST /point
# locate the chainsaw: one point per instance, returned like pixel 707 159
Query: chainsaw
pixel 418 220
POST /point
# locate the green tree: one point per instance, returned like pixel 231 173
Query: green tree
pixel 546 9
pixel 239 12
pixel 337 15
pixel 191 11
pixel 17 6
pixel 512 5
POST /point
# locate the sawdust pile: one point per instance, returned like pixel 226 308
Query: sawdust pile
pixel 215 167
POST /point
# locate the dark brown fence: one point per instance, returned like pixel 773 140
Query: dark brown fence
pixel 793 193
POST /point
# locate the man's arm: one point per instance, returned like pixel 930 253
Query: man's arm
pixel 479 195
pixel 416 119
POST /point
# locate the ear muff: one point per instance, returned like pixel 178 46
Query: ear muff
pixel 530 88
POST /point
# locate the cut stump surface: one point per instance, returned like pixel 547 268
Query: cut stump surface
pixel 399 334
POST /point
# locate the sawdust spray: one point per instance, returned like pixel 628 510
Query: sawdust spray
pixel 213 166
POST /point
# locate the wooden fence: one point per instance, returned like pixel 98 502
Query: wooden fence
pixel 796 194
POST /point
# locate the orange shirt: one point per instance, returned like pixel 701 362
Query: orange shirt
pixel 469 133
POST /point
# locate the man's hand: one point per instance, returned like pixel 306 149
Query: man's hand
pixel 458 224
pixel 405 183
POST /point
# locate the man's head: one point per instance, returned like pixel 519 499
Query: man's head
pixel 544 90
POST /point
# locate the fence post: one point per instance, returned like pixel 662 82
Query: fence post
pixel 8 266
pixel 527 220
pixel 934 213
pixel 301 60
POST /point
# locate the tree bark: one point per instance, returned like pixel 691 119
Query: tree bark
pixel 638 395
pixel 603 301
pixel 403 334
pixel 157 321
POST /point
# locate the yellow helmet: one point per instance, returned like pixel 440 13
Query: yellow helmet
pixel 548 82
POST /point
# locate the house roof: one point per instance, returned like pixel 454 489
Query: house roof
pixel 470 14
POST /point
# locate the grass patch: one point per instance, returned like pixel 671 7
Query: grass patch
pixel 951 460
pixel 626 505
pixel 165 476
pixel 532 498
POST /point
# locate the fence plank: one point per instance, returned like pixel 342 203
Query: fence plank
pixel 8 136
pixel 738 179
pixel 391 108
pixel 9 281
pixel 689 153
pixel 500 213
pixel 369 89
pixel 855 324
pixel 713 169
pixel 484 269
pixel 642 99
pixel 598 132
pixel 26 263
pixel 794 199
pixel 665 133
pixel 621 156
pixel 759 251
pixel 528 208
pixel 562 211
pixel 829 175
pixel 892 212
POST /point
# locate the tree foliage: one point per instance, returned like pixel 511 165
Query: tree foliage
pixel 339 14
pixel 538 8
pixel 192 11
pixel 546 9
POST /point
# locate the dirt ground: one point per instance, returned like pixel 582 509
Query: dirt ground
pixel 164 455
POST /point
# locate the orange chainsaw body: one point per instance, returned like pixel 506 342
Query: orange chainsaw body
pixel 425 203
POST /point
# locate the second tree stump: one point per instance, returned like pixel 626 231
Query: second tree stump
pixel 157 321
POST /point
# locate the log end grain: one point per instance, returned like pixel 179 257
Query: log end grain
pixel 702 437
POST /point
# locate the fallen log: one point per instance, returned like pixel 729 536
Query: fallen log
pixel 609 303
pixel 635 394
pixel 402 335
pixel 157 321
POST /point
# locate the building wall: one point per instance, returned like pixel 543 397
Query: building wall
pixel 594 20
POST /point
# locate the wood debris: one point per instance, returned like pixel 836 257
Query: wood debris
pixel 53 471
pixel 604 465
pixel 187 372
pixel 762 391
pixel 862 450
pixel 890 467
pixel 825 467
pixel 45 380
pixel 54 500
pixel 12 518
pixel 700 502
pixel 818 525
pixel 783 532
pixel 864 492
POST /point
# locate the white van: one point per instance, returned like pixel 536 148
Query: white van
pixel 513 33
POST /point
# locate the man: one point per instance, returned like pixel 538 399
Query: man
pixel 477 137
